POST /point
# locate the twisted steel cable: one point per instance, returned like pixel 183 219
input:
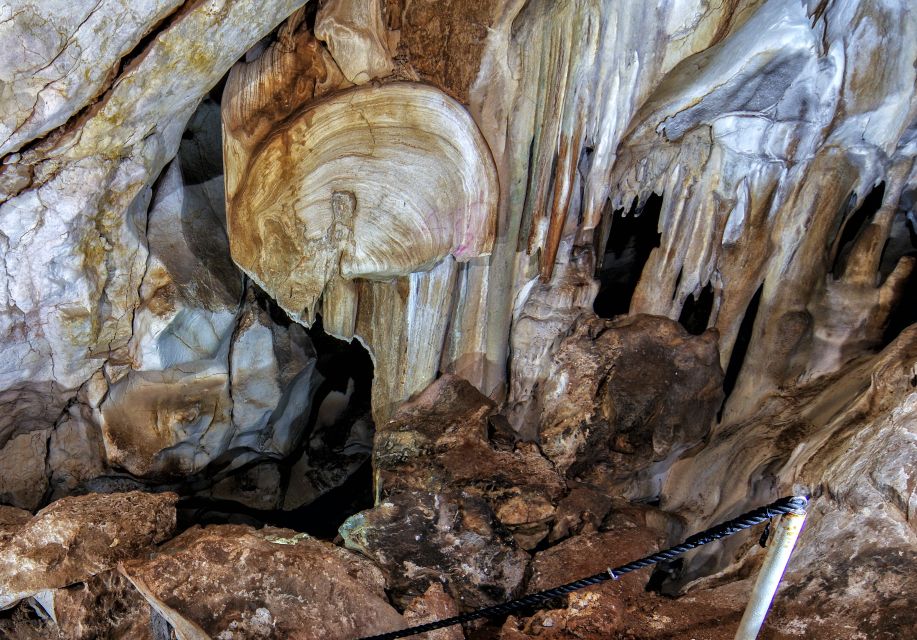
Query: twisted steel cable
pixel 791 504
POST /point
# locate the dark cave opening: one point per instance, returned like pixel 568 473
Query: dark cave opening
pixel 328 476
pixel 631 239
pixel 695 313
pixel 853 226
pixel 901 243
pixel 739 349
pixel 905 312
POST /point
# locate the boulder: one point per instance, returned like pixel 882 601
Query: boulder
pixel 81 536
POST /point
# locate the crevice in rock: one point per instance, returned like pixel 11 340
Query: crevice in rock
pixel 94 103
pixel 853 226
pixel 901 243
pixel 630 240
pixel 740 348
pixel 695 313
pixel 904 313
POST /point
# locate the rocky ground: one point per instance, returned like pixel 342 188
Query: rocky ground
pixel 468 515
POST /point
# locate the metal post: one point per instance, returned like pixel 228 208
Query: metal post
pixel 778 554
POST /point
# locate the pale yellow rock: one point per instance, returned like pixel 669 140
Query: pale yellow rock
pixel 371 183
pixel 356 37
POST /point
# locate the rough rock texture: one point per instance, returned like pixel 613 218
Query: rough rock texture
pixel 849 442
pixel 105 606
pixel 451 537
pixel 439 443
pixel 73 205
pixel 596 611
pixel 748 166
pixel 624 398
pixel 387 188
pixel 78 537
pixel 233 581
pixel 434 604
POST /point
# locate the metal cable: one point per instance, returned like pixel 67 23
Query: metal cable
pixel 744 521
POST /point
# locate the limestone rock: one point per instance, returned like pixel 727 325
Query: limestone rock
pixel 419 538
pixel 11 519
pixel 594 612
pixel 356 38
pixel 387 181
pixel 385 249
pixel 73 204
pixel 104 606
pixel 57 58
pixel 849 442
pixel 439 443
pixel 627 397
pixel 233 581
pixel 23 482
pixel 76 452
pixel 435 604
pixel 213 374
pixel 78 537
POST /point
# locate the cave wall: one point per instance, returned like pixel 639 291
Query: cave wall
pixel 779 136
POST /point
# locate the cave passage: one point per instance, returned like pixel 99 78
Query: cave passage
pixel 854 225
pixel 328 476
pixel 630 241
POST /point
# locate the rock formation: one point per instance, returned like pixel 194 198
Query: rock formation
pixel 616 267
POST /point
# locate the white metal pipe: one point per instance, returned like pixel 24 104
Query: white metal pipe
pixel 778 555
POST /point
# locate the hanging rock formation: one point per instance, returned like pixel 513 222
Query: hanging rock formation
pixel 186 189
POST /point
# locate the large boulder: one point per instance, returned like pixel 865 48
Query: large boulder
pixel 236 582
pixel 78 537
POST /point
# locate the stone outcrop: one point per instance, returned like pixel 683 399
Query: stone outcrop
pixel 104 606
pixel 848 442
pixel 419 538
pixel 78 537
pixel 625 398
pixel 597 611
pixel 449 439
pixel 233 581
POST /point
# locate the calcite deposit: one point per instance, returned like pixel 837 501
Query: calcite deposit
pixel 596 262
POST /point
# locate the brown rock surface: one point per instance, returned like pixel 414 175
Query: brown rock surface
pixel 594 612
pixel 435 604
pixel 105 606
pixel 11 520
pixel 440 441
pixel 625 395
pixel 419 538
pixel 234 582
pixel 78 537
